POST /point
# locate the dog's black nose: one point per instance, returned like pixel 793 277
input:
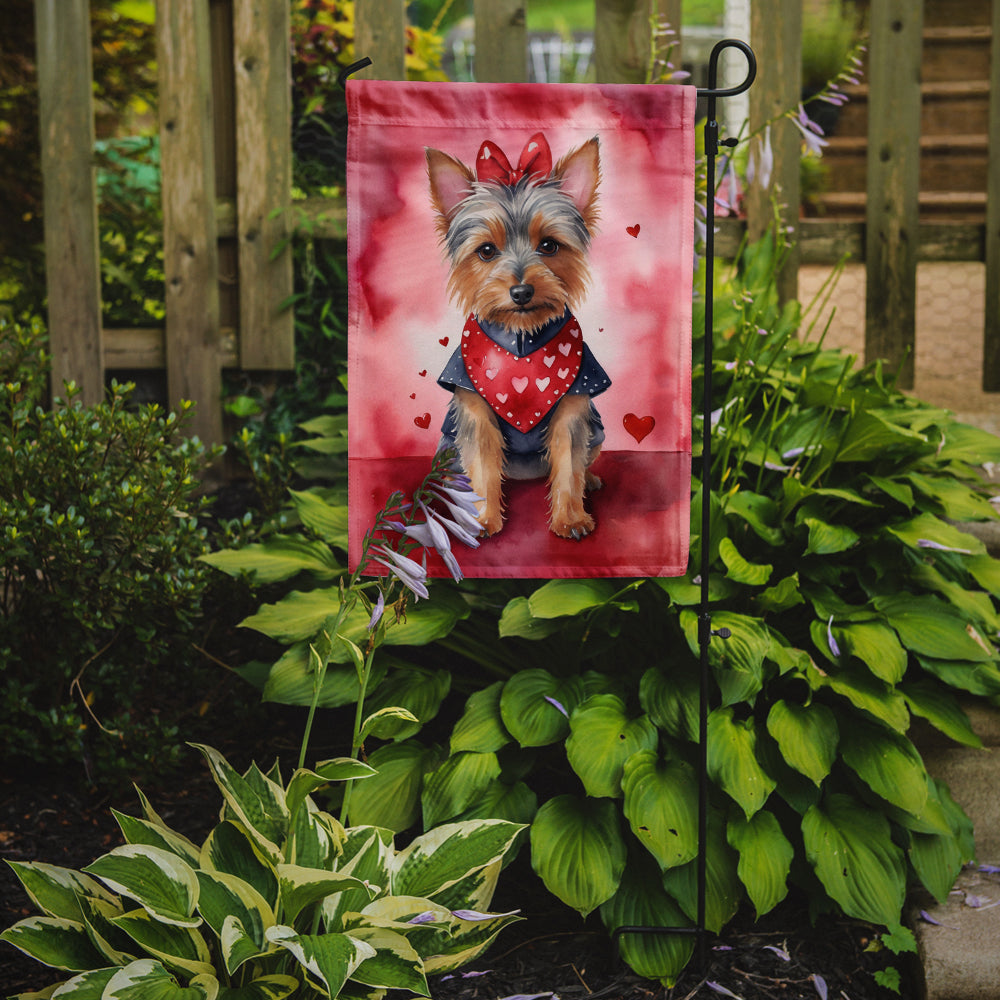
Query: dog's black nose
pixel 521 294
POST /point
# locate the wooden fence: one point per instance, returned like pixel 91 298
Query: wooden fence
pixel 226 161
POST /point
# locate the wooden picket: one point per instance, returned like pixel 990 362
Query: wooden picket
pixel 226 160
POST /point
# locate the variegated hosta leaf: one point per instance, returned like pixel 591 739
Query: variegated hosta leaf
pixel 86 986
pixel 315 838
pixel 850 847
pixel 329 959
pixel 417 691
pixel 475 891
pixel 300 887
pixel 147 979
pixel 304 782
pixel 274 987
pixel 723 889
pixel 466 941
pixel 642 902
pixel 441 857
pixel 661 805
pixel 535 706
pixel 159 881
pixel 230 849
pixel 602 737
pixel 578 851
pixel 807 736
pixel 54 941
pixel 367 853
pixel 481 727
pixel 141 831
pixel 732 760
pixel 56 891
pixel 256 801
pixel 888 763
pixel 99 915
pixel 177 947
pixel 456 784
pixel 225 897
pixel 765 858
pixel 395 964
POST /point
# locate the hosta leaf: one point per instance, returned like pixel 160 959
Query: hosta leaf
pixel 415 689
pixel 941 709
pixel 260 809
pixel 866 692
pixel 291 680
pixel 928 528
pixel 180 948
pixel 466 941
pixel 304 782
pixel 578 851
pixel 56 891
pixel 671 699
pixel 602 738
pixel 957 501
pixel 391 798
pixel 758 511
pixel 976 605
pixel 530 706
pixel 976 678
pixel 931 628
pixel 807 736
pixel 390 723
pixel 330 959
pixel 395 964
pixel 327 520
pixel 159 881
pixel 876 646
pixel 54 941
pixel 661 799
pixel 765 858
pixel 738 661
pixel 517 620
pixel 850 848
pixel 225 897
pixel 456 784
pixel 147 979
pixel 86 986
pixel 516 803
pixel 870 435
pixel 441 857
pixel 366 855
pixel 481 728
pixel 739 569
pixel 986 571
pixel 98 916
pixel 723 889
pixel 230 849
pixel 141 831
pixel 732 760
pixel 559 598
pixel 274 987
pixel 827 539
pixel 301 887
pixel 641 901
pixel 937 860
pixel 279 558
pixel 783 595
pixel 888 763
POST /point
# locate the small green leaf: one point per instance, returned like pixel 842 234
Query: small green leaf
pixel 930 627
pixel 559 598
pixel 517 620
pixel 828 539
pixel 807 736
pixel 671 700
pixel 456 784
pixel 765 858
pixel 888 763
pixel 279 558
pixel 391 798
pixel 732 760
pixel 535 706
pixel 481 727
pixel 739 569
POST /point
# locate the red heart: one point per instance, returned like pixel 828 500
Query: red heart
pixel 633 230
pixel 443 341
pixel 423 374
pixel 424 420
pixel 413 395
pixel 638 427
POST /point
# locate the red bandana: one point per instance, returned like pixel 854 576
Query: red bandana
pixel 522 390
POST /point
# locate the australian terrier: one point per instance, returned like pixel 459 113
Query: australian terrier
pixel 517 240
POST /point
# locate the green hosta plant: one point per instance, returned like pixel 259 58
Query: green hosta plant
pixel 855 605
pixel 279 900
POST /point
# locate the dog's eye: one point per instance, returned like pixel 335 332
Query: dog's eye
pixel 487 251
pixel 548 247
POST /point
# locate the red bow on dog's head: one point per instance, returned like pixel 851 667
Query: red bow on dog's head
pixel 535 161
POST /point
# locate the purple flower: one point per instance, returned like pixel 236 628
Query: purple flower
pixel 558 705
pixel 780 952
pixel 411 574
pixel 377 611
pixel 834 648
pixel 475 915
pixel 811 132
pixel 427 917
pixel 719 988
pixel 927 543
pixel 820 983
pixel 463 511
pixel 455 528
pixel 761 163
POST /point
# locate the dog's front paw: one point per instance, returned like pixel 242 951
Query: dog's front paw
pixel 492 523
pixel 578 526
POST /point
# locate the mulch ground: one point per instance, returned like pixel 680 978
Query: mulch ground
pixel 550 953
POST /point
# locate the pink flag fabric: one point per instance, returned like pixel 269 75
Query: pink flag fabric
pixel 520 264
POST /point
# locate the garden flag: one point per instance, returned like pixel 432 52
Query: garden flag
pixel 520 263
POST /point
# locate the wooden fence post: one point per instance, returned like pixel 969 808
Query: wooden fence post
pixel 776 35
pixel 72 255
pixel 190 251
pixel 262 61
pixel 622 40
pixel 991 332
pixel 501 41
pixel 380 34
pixel 892 214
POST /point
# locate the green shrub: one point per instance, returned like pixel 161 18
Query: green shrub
pixel 279 900
pixel 99 541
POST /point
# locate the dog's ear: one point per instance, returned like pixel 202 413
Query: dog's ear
pixel 451 181
pixel 579 174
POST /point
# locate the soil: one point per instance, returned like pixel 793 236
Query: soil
pixel 550 953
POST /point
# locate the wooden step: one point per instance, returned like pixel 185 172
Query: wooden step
pixel 958 206
pixel 939 13
pixel 947 163
pixel 956 53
